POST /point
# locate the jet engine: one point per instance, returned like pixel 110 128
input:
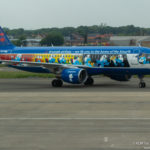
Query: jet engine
pixel 74 76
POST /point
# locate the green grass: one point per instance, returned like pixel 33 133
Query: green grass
pixel 21 74
pixel 2 65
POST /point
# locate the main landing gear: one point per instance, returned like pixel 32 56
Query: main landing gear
pixel 57 83
pixel 89 81
pixel 142 84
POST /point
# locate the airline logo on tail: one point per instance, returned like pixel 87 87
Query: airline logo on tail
pixel 4 41
pixel 2 38
pixel 1 34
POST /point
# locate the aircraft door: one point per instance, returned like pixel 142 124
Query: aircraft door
pixel 135 57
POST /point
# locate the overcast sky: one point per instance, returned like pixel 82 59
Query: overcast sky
pixel 33 14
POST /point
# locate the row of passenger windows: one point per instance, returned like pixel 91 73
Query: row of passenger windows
pixel 42 56
pixel 47 56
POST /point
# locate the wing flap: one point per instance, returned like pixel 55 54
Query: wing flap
pixel 53 67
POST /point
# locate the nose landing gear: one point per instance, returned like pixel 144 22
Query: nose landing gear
pixel 142 84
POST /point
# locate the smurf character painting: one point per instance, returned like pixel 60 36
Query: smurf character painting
pixel 98 63
pixel 76 61
pixel 62 60
pixel 12 57
pixel 38 58
pixel 119 60
pixel 142 59
pixel 103 61
pixel 46 60
pixel 18 57
pixel 87 61
pixel 51 59
pixel 113 60
pixel 148 59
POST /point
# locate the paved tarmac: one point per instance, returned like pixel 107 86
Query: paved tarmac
pixel 108 115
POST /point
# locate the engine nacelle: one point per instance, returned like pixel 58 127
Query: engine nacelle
pixel 74 76
pixel 121 77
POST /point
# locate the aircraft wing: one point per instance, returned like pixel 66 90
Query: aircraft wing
pixel 53 67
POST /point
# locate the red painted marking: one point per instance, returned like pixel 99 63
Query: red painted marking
pixel 1 34
pixel 2 39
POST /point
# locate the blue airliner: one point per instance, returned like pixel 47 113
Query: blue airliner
pixel 77 65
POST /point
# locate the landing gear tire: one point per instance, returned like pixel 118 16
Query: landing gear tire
pixel 142 85
pixel 89 81
pixel 57 83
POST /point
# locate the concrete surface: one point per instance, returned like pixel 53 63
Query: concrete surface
pixel 108 115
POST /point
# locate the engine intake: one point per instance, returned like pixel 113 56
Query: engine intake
pixel 74 76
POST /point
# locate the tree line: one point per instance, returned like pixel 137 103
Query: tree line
pixel 129 30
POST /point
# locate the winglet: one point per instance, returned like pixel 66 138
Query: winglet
pixel 4 41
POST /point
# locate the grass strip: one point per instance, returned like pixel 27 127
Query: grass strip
pixel 22 74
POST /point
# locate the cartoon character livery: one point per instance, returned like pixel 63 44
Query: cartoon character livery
pixel 77 65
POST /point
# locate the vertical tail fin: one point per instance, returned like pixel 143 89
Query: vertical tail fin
pixel 4 41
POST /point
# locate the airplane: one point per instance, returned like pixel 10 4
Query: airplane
pixel 77 65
